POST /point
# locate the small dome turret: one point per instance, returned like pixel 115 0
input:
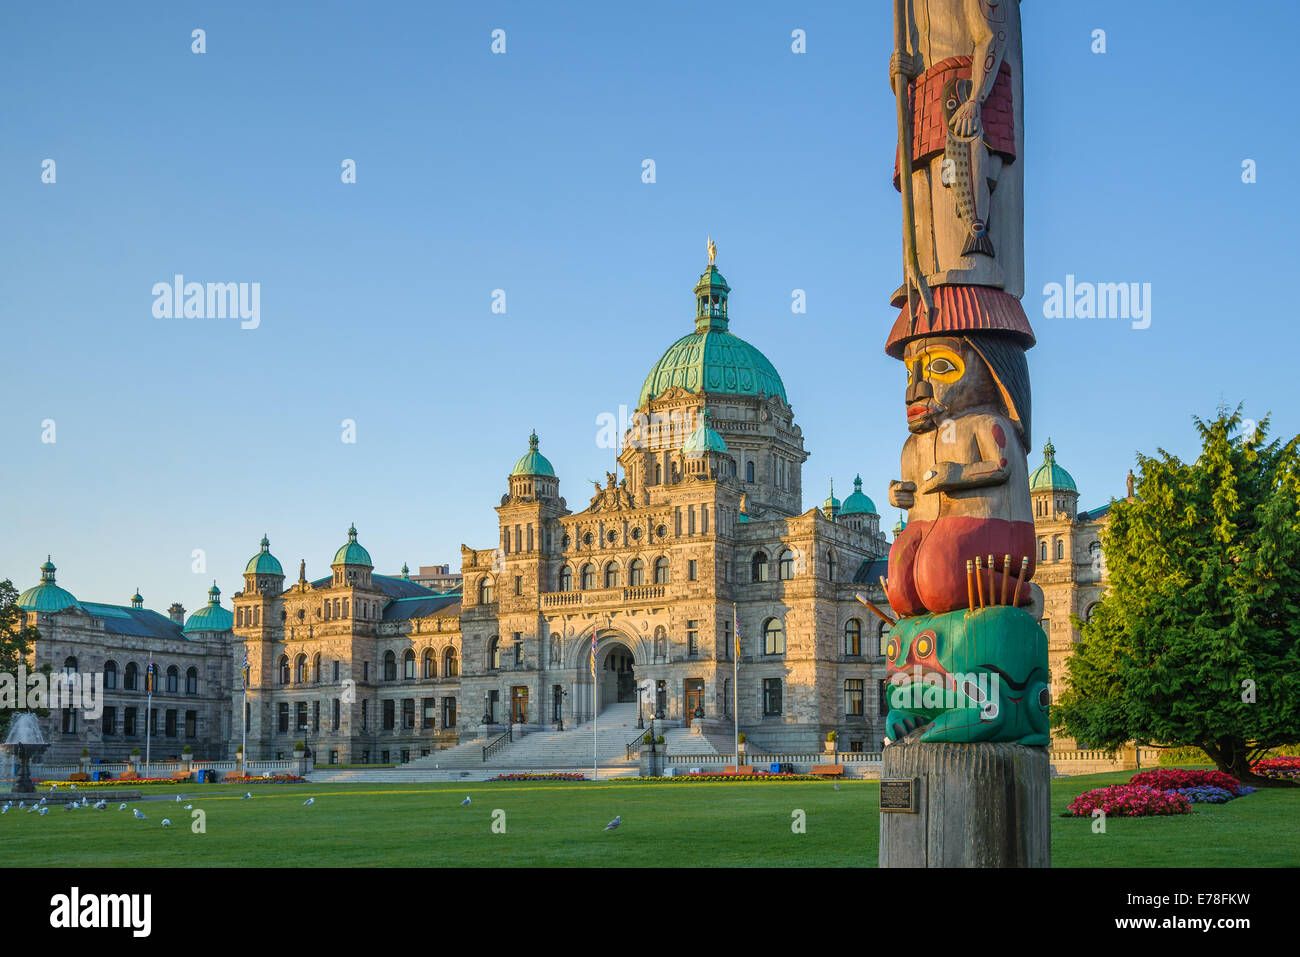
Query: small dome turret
pixel 1050 477
pixel 533 462
pixel 264 563
pixel 831 507
pixel 351 553
pixel 858 503
pixel 211 617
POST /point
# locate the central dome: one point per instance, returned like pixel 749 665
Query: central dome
pixel 711 359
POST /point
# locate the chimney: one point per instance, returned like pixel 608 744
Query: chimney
pixel 177 613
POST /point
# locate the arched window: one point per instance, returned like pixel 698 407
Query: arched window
pixel 450 667
pixel 885 628
pixel 555 649
pixel 588 577
pixel 485 596
pixel 611 575
pixel 239 618
pixel 390 666
pixel 300 670
pixel 1091 610
pixel 1042 551
pixel 659 474
pixel 785 565
pixel 110 675
pixel 430 663
pixel 173 679
pixel 636 573
pixel 192 681
pixel 1060 549
pixel 853 637
pixel 830 564
pixel 131 678
pixel 408 664
pixel 749 471
pixel 758 567
pixel 69 666
pixel 494 653
pixel 661 642
pixel 284 669
pixel 315 668
pixel 773 637
pixel 566 578
pixel 661 571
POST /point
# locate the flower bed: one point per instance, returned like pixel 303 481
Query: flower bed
pixel 132 782
pixel 1209 794
pixel 1171 779
pixel 1285 769
pixel 688 778
pixel 1129 800
pixel 529 776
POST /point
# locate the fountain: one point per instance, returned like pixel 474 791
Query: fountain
pixel 25 740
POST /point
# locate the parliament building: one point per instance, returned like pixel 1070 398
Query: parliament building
pixel 703 530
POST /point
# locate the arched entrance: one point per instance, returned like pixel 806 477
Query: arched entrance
pixel 615 675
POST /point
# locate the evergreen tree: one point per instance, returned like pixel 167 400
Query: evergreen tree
pixel 1195 642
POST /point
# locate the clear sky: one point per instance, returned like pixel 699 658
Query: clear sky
pixel 523 172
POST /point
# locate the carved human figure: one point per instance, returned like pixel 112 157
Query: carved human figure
pixel 964 61
pixel 965 481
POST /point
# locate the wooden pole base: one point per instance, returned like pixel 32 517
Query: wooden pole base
pixel 977 805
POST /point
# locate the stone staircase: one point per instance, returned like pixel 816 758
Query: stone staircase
pixel 570 748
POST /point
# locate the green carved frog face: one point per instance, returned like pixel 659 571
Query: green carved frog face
pixel 978 675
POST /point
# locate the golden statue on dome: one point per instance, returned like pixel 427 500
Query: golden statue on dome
pixel 713 251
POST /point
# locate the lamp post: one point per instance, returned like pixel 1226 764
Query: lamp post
pixel 560 718
pixel 519 708
pixel 487 716
pixel 640 715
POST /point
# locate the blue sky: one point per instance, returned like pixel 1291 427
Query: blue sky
pixel 522 172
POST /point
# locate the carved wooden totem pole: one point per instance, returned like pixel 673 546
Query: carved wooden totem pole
pixel 967 659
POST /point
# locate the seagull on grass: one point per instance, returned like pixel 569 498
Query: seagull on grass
pixel 101 805
pixel 44 811
pixel 121 807
pixel 247 795
pixel 837 785
pixel 139 815
pixel 308 801
pixel 464 802
pixel 614 823
pixel 189 807
pixel 166 822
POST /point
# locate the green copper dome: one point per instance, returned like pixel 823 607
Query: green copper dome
pixel 47 597
pixel 533 462
pixel 858 503
pixel 1050 477
pixel 899 526
pixel 352 553
pixel 264 563
pixel 211 617
pixel 711 359
pixel 832 505
pixel 703 439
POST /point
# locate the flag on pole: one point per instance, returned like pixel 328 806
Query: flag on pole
pixel 735 618
pixel 593 651
pixel 243 675
pixel 148 676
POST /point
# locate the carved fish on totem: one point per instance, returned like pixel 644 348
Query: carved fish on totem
pixel 958 171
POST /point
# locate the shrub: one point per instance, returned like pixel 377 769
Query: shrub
pixel 1170 757
pixel 299 746
pixel 1208 794
pixel 832 735
pixel 187 750
pixel 741 737
pixel 85 752
pixel 135 752
pixel 648 739
pixel 660 739
pixel 1129 800
pixel 1171 779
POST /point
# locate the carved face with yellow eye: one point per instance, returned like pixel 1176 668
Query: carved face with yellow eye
pixel 946 377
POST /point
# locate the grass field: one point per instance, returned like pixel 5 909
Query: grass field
pixel 560 825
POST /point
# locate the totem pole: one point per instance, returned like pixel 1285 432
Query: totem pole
pixel 967 727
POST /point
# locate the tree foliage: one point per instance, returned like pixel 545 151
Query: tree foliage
pixel 15 642
pixel 1195 641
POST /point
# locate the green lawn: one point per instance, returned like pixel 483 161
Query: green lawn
pixel 559 825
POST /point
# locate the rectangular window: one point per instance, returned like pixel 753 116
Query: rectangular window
pixel 884 639
pixel 69 721
pixel 282 718
pixel 430 712
pixel 153 721
pixel 519 584
pixel 408 715
pixel 726 637
pixel 692 570
pixel 692 637
pixel 771 696
pixel 406 755
pixel 365 671
pixel 191 724
pixel 128 722
pixel 390 714
pixel 337 715
pixel 519 648
pixel 448 713
pixel 301 715
pixel 853 693
pixel 336 670
pixel 383 757
pixel 110 721
pixel 883 709
pixel 334 757
pixel 171 722
pixel 365 756
pixel 365 717
pixel 726 571
pixel 315 716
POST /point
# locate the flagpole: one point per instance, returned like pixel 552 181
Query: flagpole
pixel 148 714
pixel 735 680
pixel 595 768
pixel 243 715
